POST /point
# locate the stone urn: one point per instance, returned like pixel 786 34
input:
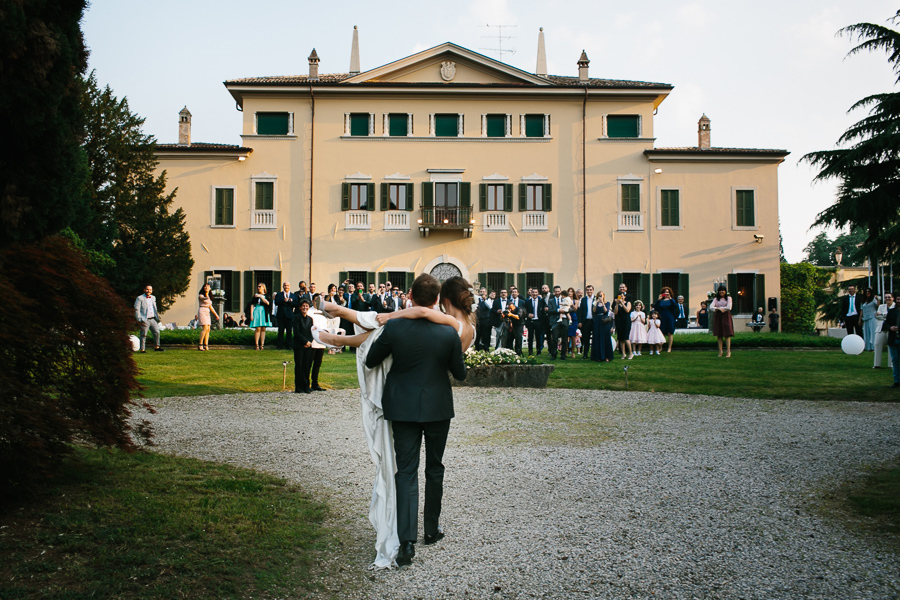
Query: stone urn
pixel 513 376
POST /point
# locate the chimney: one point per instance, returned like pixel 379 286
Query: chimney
pixel 354 53
pixel 541 70
pixel 583 63
pixel 313 66
pixel 703 133
pixel 184 127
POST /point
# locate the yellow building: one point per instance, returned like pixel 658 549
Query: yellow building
pixel 448 161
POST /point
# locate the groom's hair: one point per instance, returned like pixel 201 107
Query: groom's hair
pixel 425 290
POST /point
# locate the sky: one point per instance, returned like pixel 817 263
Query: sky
pixel 768 74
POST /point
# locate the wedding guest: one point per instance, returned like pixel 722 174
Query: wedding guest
pixel 723 326
pixel 586 320
pixel 681 317
pixel 303 351
pixel 318 349
pixel 622 310
pixel 703 316
pixel 668 311
pixel 869 306
pixel 759 320
pixel 601 344
pixel 516 321
pixel 573 333
pixel 655 337
pixel 260 319
pixel 228 321
pixel 561 327
pixel 892 322
pixel 206 307
pixel 243 320
pixel 147 316
pixel 534 309
pixel 284 302
pixel 881 332
pixel 638 336
pixel 851 306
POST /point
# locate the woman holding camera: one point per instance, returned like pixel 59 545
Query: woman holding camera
pixel 668 312
pixel 206 307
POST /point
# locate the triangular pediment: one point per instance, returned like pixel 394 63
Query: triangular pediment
pixel 448 63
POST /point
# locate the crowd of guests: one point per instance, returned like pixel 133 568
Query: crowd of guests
pixel 876 322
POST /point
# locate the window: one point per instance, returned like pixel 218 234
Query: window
pixel 398 124
pixel 223 207
pixel 262 201
pixel 360 124
pixel 495 282
pixel 669 208
pixel 495 125
pixel 495 197
pixel 534 280
pixel 274 123
pixel 623 126
pixel 748 292
pixel 448 125
pixel 631 197
pixel 265 195
pixel 744 208
pixel 271 279
pixel 396 196
pixel 534 197
pixel 357 196
pixel 446 195
pixel 638 287
pixel 535 125
pixel 680 284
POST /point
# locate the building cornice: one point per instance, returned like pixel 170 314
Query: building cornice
pixel 202 151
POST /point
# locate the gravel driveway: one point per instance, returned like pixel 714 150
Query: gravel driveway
pixel 587 494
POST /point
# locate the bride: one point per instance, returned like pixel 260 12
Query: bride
pixel 456 300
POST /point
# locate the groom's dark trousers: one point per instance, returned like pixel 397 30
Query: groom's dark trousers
pixel 418 401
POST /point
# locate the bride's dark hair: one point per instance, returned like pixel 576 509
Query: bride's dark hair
pixel 458 293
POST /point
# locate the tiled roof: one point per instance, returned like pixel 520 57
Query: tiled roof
pixel 714 150
pixel 204 147
pixel 555 80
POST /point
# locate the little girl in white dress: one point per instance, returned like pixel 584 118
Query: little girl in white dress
pixel 655 337
pixel 638 335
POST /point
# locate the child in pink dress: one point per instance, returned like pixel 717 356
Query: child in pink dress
pixel 638 335
pixel 655 337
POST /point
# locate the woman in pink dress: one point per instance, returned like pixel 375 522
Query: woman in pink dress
pixel 655 337
pixel 206 307
pixel 723 326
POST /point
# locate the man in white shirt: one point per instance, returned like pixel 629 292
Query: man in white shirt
pixel 851 306
pixel 681 318
pixel 147 316
pixel 497 319
pixel 586 321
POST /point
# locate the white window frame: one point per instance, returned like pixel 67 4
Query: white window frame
pixel 522 124
pixel 604 126
pixel 212 206
pixel 347 124
pixel 460 124
pixel 386 125
pixel 487 193
pixel 659 190
pixel 263 178
pixel 256 122
pixel 630 180
pixel 507 125
pixel 740 188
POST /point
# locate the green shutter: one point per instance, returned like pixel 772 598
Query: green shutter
pixel 631 197
pixel 669 216
pixel 465 194
pixel 521 283
pixel 272 123
pixel 370 278
pixel 265 195
pixel 446 125
pixel 276 283
pixel 410 277
pixel 732 287
pixel 644 292
pixel 370 196
pixel 409 196
pixel 482 280
pixel 345 196
pixel 509 280
pixel 342 277
pixel 427 194
pixel 744 208
pixel 623 126
pixel 548 197
pixel 382 277
pixel 385 196
pixel 359 124
pixel 507 197
pixel 684 289
pixel 235 300
pixel 548 279
pixel 224 206
pixel 617 279
pixel 496 125
pixel 248 289
pixel 657 287
pixel 482 197
pixel 397 125
pixel 534 125
pixel 523 197
pixel 760 292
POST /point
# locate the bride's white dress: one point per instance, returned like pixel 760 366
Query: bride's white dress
pixel 383 507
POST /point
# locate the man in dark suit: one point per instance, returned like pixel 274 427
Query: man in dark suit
pixel 483 313
pixel 534 319
pixel 285 302
pixel 359 300
pixel 681 317
pixel 851 306
pixel 418 401
pixel 585 314
pixel 517 325
pixel 302 292
pixel 303 350
pixel 554 331
pixel 376 300
pixel 497 319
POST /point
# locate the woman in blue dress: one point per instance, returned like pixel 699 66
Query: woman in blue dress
pixel 259 312
pixel 668 312
pixel 601 346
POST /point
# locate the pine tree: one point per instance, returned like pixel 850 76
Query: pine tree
pixel 869 167
pixel 129 215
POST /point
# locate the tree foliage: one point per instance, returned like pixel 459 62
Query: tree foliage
pixel 41 163
pixel 129 216
pixel 868 166
pixel 67 370
pixel 820 251
pixel 799 285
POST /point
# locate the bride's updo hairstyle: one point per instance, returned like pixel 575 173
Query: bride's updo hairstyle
pixel 457 292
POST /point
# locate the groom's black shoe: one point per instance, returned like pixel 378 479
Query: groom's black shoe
pixel 435 537
pixel 407 551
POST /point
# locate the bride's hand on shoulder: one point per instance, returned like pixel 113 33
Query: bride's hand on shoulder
pixel 383 318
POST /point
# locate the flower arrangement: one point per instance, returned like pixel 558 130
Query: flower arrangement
pixel 500 356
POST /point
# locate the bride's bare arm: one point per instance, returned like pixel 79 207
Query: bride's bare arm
pixel 419 312
pixel 354 341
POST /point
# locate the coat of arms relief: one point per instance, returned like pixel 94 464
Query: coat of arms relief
pixel 448 70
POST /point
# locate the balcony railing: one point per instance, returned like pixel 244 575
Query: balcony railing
pixel 358 220
pixel 263 219
pixel 439 217
pixel 396 220
pixel 534 221
pixel 631 221
pixel 496 221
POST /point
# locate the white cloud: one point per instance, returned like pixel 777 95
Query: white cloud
pixel 693 15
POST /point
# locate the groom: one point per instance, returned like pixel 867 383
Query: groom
pixel 418 401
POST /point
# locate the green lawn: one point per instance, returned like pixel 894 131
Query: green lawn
pixel 751 373
pixel 152 526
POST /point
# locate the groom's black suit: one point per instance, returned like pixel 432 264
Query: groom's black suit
pixel 418 400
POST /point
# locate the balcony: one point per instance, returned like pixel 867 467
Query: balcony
pixel 358 220
pixel 263 219
pixel 496 221
pixel 534 221
pixel 631 221
pixel 396 220
pixel 440 218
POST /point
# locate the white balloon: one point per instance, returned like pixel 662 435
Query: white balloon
pixel 853 344
pixel 135 342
